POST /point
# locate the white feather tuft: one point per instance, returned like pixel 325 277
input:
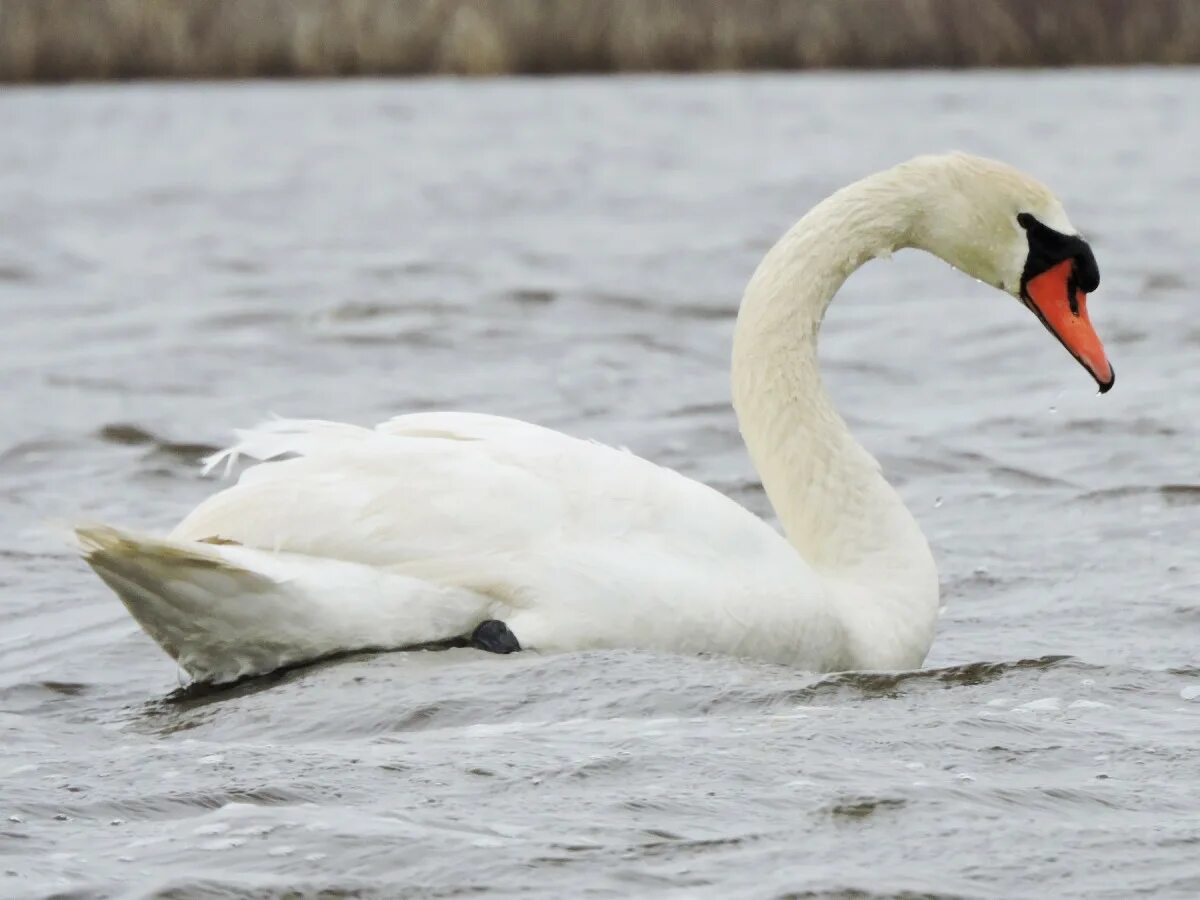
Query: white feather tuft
pixel 283 437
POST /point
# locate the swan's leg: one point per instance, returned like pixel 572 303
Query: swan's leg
pixel 494 637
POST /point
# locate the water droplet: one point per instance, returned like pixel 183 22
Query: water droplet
pixel 937 502
pixel 1191 693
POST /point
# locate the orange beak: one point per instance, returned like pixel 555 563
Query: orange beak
pixel 1057 301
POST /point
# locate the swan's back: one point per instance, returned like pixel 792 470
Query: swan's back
pixel 573 543
pixel 434 485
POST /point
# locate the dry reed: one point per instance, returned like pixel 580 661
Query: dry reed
pixel 55 40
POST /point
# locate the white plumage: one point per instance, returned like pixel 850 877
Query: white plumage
pixel 420 529
pixel 423 527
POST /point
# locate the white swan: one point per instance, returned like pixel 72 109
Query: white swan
pixel 430 525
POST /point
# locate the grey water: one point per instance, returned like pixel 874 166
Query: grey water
pixel 180 260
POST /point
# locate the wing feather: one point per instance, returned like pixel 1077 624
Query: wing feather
pixel 443 493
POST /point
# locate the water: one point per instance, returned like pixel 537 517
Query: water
pixel 176 261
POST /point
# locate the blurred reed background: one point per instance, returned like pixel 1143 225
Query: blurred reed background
pixel 55 40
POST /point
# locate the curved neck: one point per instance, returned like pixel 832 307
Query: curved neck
pixel 835 506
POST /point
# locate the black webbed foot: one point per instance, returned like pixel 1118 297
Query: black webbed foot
pixel 494 637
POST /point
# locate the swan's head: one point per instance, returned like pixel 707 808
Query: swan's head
pixel 1007 229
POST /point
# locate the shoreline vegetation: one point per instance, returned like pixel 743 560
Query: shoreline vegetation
pixel 66 40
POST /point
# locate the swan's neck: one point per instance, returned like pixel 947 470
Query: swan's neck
pixel 835 506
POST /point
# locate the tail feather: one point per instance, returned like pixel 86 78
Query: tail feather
pixel 224 611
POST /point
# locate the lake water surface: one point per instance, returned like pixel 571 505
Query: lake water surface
pixel 179 260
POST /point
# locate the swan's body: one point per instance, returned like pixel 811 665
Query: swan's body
pixel 419 530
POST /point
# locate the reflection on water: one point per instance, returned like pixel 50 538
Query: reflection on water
pixel 176 261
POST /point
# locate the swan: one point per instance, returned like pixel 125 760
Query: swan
pixel 451 526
